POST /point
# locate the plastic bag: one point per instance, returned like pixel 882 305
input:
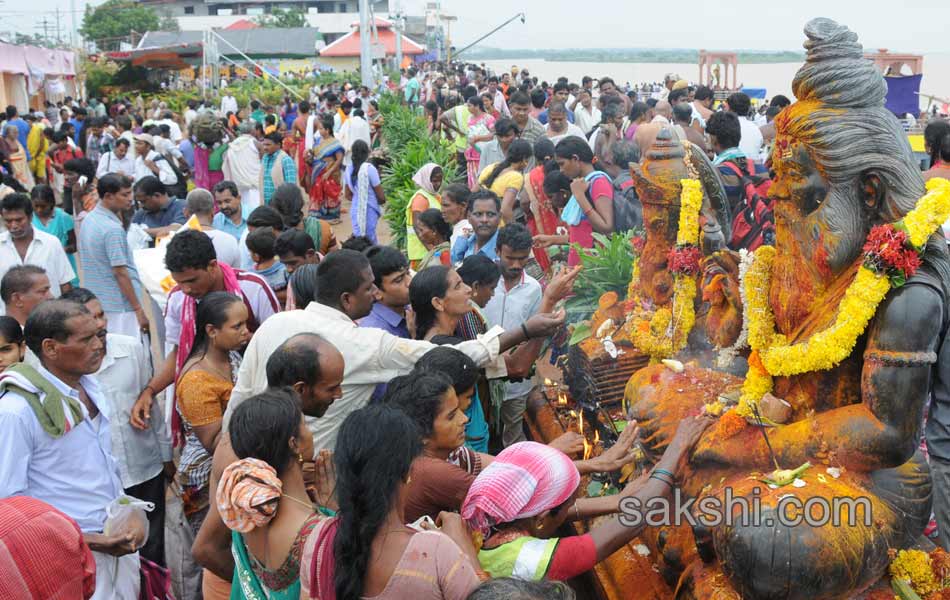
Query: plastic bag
pixel 137 237
pixel 127 514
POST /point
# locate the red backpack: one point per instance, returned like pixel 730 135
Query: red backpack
pixel 753 225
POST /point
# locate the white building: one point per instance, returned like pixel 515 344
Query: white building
pixel 332 17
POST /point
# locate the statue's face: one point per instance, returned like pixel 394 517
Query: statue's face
pixel 823 220
pixel 657 183
pixel 660 223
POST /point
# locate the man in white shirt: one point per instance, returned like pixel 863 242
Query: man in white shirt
pixel 517 297
pixel 144 457
pixel 200 203
pixel 498 98
pixel 21 244
pixel 355 128
pixel 558 128
pixel 22 289
pixel 119 160
pixel 586 114
pixel 149 162
pixel 751 142
pixel 345 293
pixel 242 165
pixel 64 456
pixel 175 130
pixel 190 113
pixel 228 104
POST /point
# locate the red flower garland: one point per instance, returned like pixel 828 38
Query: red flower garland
pixel 888 251
pixel 684 260
pixel 638 242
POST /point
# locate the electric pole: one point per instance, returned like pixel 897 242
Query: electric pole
pixel 366 57
pixel 59 39
pixel 44 25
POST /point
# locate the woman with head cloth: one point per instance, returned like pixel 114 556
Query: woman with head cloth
pixel 522 498
pixel 262 497
pixel 429 179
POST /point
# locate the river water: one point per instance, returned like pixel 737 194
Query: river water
pixel 775 77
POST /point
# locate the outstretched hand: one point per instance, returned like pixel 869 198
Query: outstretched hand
pixel 562 283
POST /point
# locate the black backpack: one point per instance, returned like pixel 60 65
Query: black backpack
pixel 628 211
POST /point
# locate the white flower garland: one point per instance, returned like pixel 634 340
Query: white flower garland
pixel 727 355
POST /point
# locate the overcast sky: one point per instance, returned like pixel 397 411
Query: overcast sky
pixel 908 26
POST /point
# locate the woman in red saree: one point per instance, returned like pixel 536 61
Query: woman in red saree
pixel 543 220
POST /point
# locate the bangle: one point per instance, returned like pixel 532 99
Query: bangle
pixel 659 478
pixel 149 387
pixel 664 472
pixel 587 211
pixel 524 330
pixel 577 514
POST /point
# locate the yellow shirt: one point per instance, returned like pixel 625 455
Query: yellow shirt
pixel 510 180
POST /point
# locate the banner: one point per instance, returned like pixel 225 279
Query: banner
pixel 902 95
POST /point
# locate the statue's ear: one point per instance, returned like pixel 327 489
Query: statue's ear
pixel 873 190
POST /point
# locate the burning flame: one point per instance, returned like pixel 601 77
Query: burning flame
pixel 580 429
pixel 548 382
pixel 562 398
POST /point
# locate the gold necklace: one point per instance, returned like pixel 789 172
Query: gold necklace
pixel 298 501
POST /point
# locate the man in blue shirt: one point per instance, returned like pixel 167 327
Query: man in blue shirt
pixel 562 93
pixel 160 214
pixel 484 213
pixel 230 217
pixel 23 128
pixel 78 122
pixel 391 276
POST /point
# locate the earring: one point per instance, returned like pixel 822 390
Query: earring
pixel 300 458
pixel 409 480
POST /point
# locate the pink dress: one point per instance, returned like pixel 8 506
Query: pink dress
pixel 477 126
pixel 582 234
pixel 204 178
pixel 432 567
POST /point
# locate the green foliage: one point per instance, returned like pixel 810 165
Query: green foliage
pixel 115 19
pixel 608 267
pixel 409 147
pixel 283 18
pixel 398 184
pixel 168 23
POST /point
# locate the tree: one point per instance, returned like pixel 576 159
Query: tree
pixel 113 20
pixel 279 18
pixel 168 23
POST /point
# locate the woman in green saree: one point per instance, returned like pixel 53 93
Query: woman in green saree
pixel 262 497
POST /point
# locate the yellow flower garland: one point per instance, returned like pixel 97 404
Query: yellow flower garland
pixel 773 356
pixel 656 337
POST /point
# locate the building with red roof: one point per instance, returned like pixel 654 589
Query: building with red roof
pixel 344 53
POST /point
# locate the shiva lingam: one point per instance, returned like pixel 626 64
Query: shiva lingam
pixel 843 328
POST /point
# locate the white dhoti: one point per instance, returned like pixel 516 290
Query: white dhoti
pixel 117 577
pixel 123 323
pixel 250 199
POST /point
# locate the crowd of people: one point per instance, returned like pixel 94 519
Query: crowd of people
pixel 326 419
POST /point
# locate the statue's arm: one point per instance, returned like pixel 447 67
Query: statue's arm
pixel 881 431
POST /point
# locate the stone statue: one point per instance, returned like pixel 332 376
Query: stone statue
pixel 658 186
pixel 657 181
pixel 842 165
